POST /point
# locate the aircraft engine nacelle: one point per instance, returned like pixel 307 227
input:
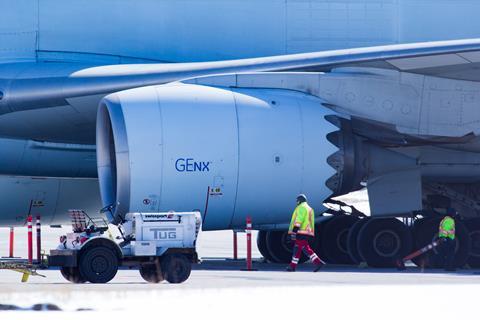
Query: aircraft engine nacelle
pixel 227 152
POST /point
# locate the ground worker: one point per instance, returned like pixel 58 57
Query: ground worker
pixel 302 228
pixel 447 233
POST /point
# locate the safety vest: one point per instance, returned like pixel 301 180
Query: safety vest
pixel 447 228
pixel 303 218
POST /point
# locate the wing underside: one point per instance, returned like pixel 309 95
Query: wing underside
pixel 458 59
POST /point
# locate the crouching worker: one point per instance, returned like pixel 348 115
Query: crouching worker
pixel 302 228
pixel 446 231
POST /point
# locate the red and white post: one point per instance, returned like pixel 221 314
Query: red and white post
pixel 235 245
pixel 39 240
pixel 12 239
pixel 248 231
pixel 30 240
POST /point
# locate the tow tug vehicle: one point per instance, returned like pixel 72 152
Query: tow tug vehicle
pixel 160 244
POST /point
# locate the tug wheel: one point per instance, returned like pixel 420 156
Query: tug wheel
pixel 98 264
pixel 151 272
pixel 176 268
pixel 72 274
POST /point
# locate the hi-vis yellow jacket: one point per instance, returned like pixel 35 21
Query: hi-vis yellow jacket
pixel 447 228
pixel 303 218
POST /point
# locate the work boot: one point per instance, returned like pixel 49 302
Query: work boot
pixel 290 269
pixel 318 267
pixel 400 265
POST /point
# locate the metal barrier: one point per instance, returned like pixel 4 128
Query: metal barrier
pixel 26 267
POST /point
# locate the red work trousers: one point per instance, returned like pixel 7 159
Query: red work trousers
pixel 302 245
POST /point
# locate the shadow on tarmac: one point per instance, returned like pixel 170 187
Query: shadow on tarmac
pixel 209 264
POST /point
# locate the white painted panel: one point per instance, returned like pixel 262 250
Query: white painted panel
pixel 430 20
pixel 269 127
pixel 471 56
pixel 428 62
pixel 181 30
pixel 395 193
pixel 18 30
pixel 143 125
pixel 17 46
pixel 315 25
pixel 199 130
pixel 194 30
pixel 53 197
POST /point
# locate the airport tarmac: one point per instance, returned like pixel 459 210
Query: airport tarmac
pixel 218 288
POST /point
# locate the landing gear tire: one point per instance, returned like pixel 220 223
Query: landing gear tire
pixel 335 239
pixel 262 245
pixel 426 230
pixel 176 268
pixel 72 274
pixel 280 247
pixel 98 264
pixel 352 240
pixel 318 245
pixel 382 241
pixel 473 226
pixel 151 272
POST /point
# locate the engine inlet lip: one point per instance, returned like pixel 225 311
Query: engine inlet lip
pixel 113 165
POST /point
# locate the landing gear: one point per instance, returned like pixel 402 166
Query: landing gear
pixel 352 241
pixel 377 241
pixel 318 245
pixel 473 226
pixel 381 241
pixel 426 230
pixel 419 227
pixel 330 242
pixel 280 247
pixel 335 239
pixel 262 245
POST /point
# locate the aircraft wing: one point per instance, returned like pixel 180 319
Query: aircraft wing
pixel 457 59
